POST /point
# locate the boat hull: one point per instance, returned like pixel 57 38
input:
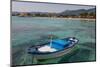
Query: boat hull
pixel 54 55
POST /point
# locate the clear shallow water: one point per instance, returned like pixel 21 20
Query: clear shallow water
pixel 27 31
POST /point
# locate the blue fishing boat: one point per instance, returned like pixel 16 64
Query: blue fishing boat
pixel 54 48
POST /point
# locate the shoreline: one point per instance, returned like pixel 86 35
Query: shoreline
pixel 64 18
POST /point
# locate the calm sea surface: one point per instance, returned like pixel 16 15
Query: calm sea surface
pixel 27 31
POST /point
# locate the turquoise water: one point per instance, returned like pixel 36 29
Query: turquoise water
pixel 27 31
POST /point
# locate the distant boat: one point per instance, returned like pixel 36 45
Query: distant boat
pixel 54 48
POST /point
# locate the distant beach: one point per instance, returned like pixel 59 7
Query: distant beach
pixel 66 18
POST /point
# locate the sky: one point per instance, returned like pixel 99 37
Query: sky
pixel 45 7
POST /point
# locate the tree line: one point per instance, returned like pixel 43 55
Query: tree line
pixel 81 15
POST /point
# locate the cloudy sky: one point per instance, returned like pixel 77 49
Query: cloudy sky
pixel 45 7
